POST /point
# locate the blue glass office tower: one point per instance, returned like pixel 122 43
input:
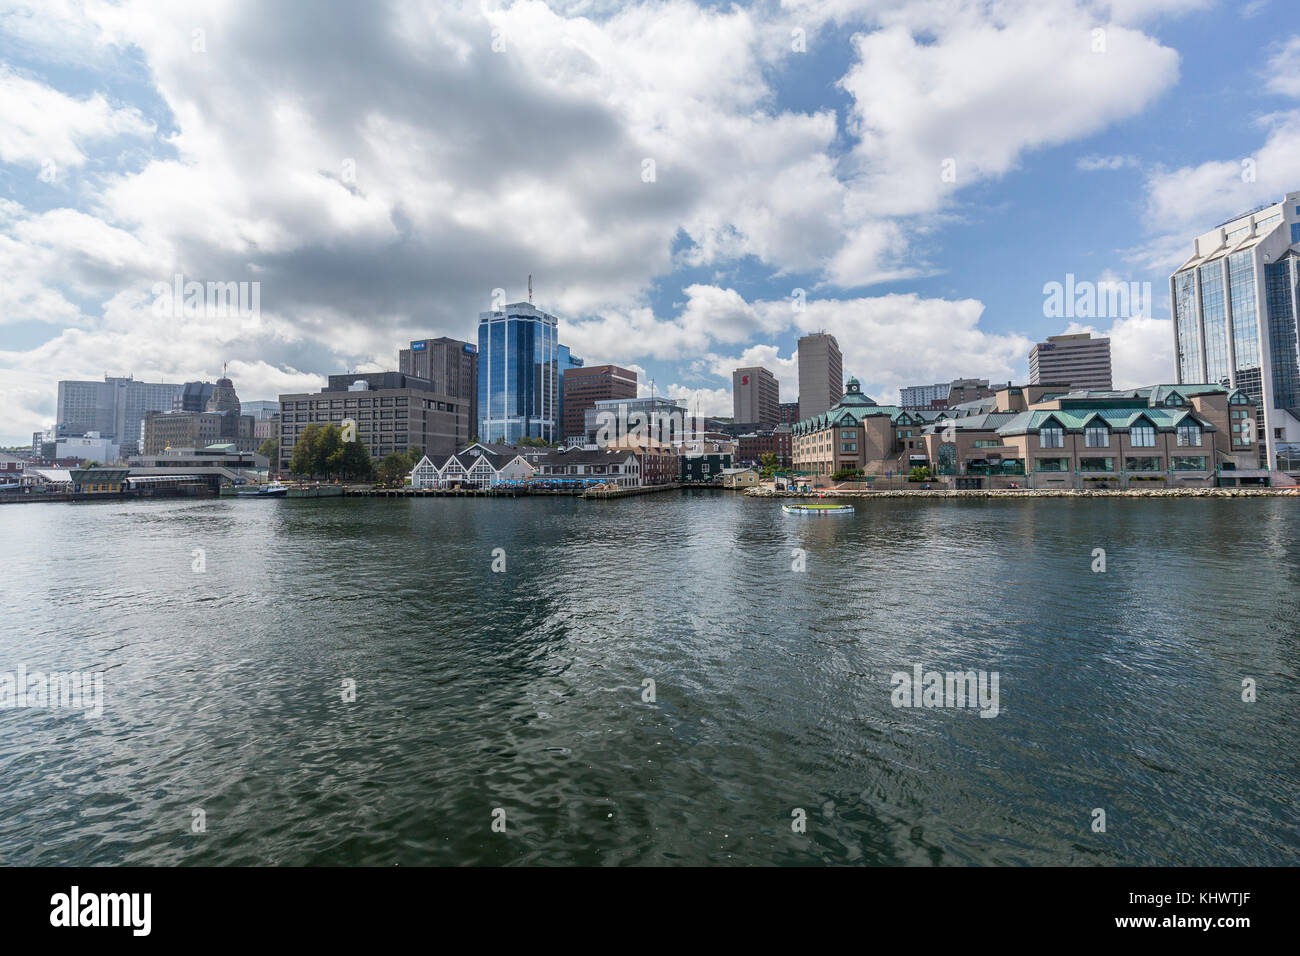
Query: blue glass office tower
pixel 520 368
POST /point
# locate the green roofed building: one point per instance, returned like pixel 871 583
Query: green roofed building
pixel 856 433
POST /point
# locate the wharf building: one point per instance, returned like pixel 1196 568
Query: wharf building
pixel 1043 436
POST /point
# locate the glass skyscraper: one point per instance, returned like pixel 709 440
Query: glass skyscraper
pixel 1234 319
pixel 520 370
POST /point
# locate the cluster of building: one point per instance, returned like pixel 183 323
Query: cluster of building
pixel 1236 383
pixel 1041 436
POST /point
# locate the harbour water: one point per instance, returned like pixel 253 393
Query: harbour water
pixel 227 632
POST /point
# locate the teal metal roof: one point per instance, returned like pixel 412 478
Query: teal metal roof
pixel 1116 419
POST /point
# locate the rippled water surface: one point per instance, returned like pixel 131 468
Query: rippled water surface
pixel 522 690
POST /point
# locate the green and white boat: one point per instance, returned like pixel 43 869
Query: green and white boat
pixel 818 509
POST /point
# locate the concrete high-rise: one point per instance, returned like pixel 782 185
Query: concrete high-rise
pixel 1077 360
pixel 585 386
pixel 821 374
pixel 755 396
pixel 1234 321
pixel 449 364
pixel 115 408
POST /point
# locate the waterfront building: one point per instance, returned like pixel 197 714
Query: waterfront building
pixel 755 396
pixel 584 387
pixel 821 374
pixel 857 434
pixel 1234 320
pixel 1078 359
pixel 113 408
pixel 739 477
pixel 89 447
pixel 606 465
pixel 477 466
pixel 392 412
pixel 704 466
pixel 521 365
pixel 450 364
pixel 1047 436
pixel 660 463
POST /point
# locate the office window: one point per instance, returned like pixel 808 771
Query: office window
pixel 1051 436
pixel 1052 464
pixel 1187 463
pixel 1096 436
pixel 1189 436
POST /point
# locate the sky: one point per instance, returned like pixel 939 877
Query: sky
pixel 692 185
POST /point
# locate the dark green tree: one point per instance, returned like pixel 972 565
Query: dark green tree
pixel 394 468
pixel 303 459
pixel 329 446
pixel 354 462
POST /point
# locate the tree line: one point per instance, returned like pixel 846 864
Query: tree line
pixel 321 452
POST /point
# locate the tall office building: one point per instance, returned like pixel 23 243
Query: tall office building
pixel 821 374
pixel 520 371
pixel 115 408
pixel 1234 311
pixel 393 412
pixel 787 413
pixel 585 386
pixel 1077 360
pixel 450 364
pixel 755 396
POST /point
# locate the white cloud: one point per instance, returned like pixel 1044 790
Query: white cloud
pixel 39 125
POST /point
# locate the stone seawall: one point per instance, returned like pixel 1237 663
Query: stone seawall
pixel 1040 493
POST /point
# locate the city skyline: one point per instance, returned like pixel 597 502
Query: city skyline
pixel 930 268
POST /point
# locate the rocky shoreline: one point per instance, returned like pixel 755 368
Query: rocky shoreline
pixel 1040 493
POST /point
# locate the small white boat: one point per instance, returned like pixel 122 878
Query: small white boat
pixel 827 509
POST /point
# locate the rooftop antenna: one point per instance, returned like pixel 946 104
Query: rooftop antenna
pixel 530 288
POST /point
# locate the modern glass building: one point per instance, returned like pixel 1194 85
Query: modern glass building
pixel 1234 318
pixel 520 372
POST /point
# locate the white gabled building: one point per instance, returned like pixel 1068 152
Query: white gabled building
pixel 474 467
